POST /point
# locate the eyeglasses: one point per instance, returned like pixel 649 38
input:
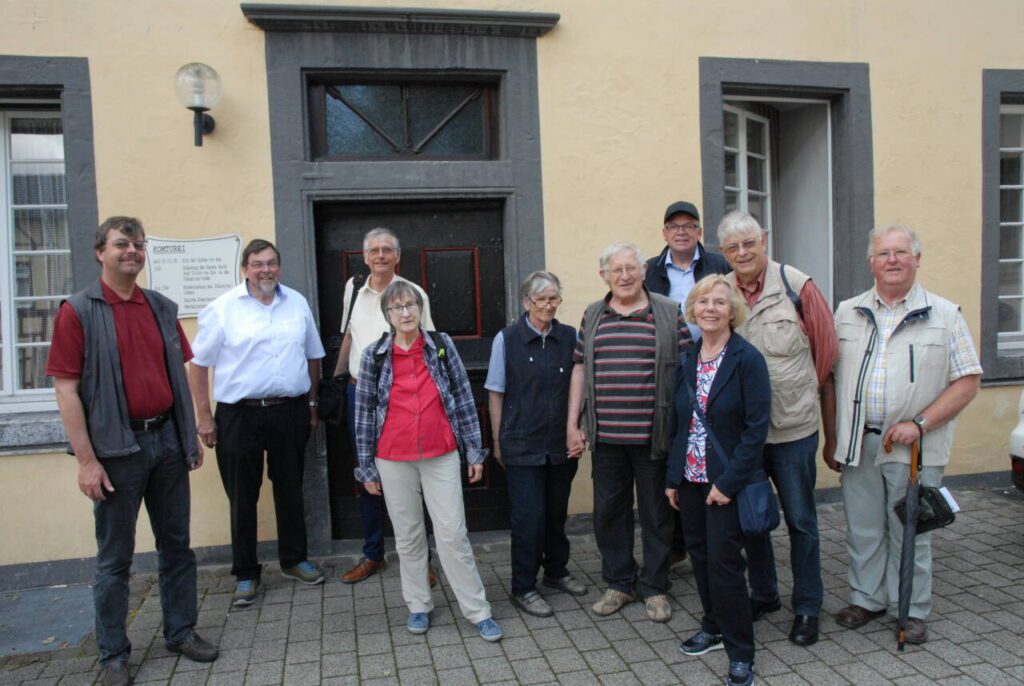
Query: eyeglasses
pixel 269 264
pixel 381 250
pixel 884 255
pixel 629 270
pixel 679 228
pixel 407 307
pixel 747 245
pixel 547 302
pixel 123 245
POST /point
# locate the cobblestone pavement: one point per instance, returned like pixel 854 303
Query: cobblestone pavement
pixel 337 634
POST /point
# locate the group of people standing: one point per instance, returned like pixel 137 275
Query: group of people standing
pixel 696 374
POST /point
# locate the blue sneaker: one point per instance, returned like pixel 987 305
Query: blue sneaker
pixel 740 673
pixel 489 630
pixel 418 622
pixel 245 592
pixel 305 572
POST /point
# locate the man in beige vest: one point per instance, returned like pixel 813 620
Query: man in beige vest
pixel 791 324
pixel 906 367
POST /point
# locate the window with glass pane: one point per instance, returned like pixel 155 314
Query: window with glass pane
pixel 1011 227
pixel 36 249
pixel 748 165
pixel 402 120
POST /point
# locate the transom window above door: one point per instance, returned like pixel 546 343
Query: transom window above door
pixel 360 120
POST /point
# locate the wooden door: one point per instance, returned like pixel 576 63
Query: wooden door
pixel 454 250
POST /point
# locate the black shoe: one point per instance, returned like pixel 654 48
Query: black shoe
pixel 804 631
pixel 700 643
pixel 759 608
pixel 740 673
pixel 115 674
pixel 196 649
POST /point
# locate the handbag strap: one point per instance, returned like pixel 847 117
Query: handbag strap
pixel 707 427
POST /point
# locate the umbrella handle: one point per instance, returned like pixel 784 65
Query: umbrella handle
pixel 915 448
pixel 913 460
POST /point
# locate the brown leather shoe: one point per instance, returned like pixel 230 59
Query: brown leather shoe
pixel 916 633
pixel 431 575
pixel 364 570
pixel 855 616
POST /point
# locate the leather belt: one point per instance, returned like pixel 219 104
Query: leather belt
pixel 872 430
pixel 267 402
pixel 151 423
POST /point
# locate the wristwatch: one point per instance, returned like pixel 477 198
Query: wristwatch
pixel 313 403
pixel 921 422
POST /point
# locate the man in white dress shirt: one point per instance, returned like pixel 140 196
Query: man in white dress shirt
pixel 262 342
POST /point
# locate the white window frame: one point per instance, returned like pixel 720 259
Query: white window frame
pixel 1011 340
pixel 13 399
pixel 743 190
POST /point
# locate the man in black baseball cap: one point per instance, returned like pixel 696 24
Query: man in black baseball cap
pixel 682 263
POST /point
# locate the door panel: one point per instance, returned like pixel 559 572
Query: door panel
pixel 454 251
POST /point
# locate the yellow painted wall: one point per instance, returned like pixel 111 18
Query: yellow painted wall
pixel 619 107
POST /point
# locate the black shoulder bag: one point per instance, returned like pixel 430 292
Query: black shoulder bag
pixel 933 510
pixel 758 508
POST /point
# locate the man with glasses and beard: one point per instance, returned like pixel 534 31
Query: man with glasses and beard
pixel 262 343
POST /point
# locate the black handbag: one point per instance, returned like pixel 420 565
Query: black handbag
pixel 934 511
pixel 332 398
pixel 756 503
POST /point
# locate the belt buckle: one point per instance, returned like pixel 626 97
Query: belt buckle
pixel 147 423
pixel 263 402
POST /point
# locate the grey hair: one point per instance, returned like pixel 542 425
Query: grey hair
pixel 879 231
pixel 614 249
pixel 538 282
pixel 738 223
pixel 381 232
pixel 398 290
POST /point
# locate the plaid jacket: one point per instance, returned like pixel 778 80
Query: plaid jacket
pixel 372 402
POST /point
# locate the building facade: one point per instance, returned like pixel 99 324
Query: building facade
pixel 496 138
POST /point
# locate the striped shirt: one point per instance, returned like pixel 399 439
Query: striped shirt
pixel 963 360
pixel 624 356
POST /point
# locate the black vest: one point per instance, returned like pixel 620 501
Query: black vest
pixel 536 402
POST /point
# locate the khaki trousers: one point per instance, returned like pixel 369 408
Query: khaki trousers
pixel 874 534
pixel 438 482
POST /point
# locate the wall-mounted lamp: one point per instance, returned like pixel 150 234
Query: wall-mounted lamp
pixel 197 87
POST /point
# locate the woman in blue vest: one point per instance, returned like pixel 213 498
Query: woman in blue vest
pixel 728 378
pixel 528 384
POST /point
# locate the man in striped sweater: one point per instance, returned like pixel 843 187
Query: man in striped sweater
pixel 621 391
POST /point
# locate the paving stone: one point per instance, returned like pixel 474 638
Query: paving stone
pixel 605 661
pixel 376 666
pixel 304 674
pixel 653 673
pixel 450 657
pixel 339 664
pixel 417 676
pixel 463 676
pixel 490 669
pixel 265 673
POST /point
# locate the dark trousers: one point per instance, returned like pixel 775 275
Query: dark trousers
pixel 792 467
pixel 371 507
pixel 615 470
pixel 158 476
pixel 538 501
pixel 244 433
pixel 714 542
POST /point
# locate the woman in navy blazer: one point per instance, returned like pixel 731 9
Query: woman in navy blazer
pixel 729 378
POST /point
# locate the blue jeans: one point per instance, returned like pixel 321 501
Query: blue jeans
pixel 793 469
pixel 158 476
pixel 371 507
pixel 538 498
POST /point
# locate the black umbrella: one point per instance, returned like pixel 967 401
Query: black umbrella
pixel 911 512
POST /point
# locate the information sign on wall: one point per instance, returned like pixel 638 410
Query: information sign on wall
pixel 193 272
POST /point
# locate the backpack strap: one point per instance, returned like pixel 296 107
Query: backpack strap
pixel 791 294
pixel 358 281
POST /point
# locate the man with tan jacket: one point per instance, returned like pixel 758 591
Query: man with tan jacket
pixel 791 325
pixel 906 367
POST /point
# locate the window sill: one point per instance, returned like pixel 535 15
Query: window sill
pixel 31 432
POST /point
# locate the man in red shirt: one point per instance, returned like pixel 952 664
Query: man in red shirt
pixel 129 421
